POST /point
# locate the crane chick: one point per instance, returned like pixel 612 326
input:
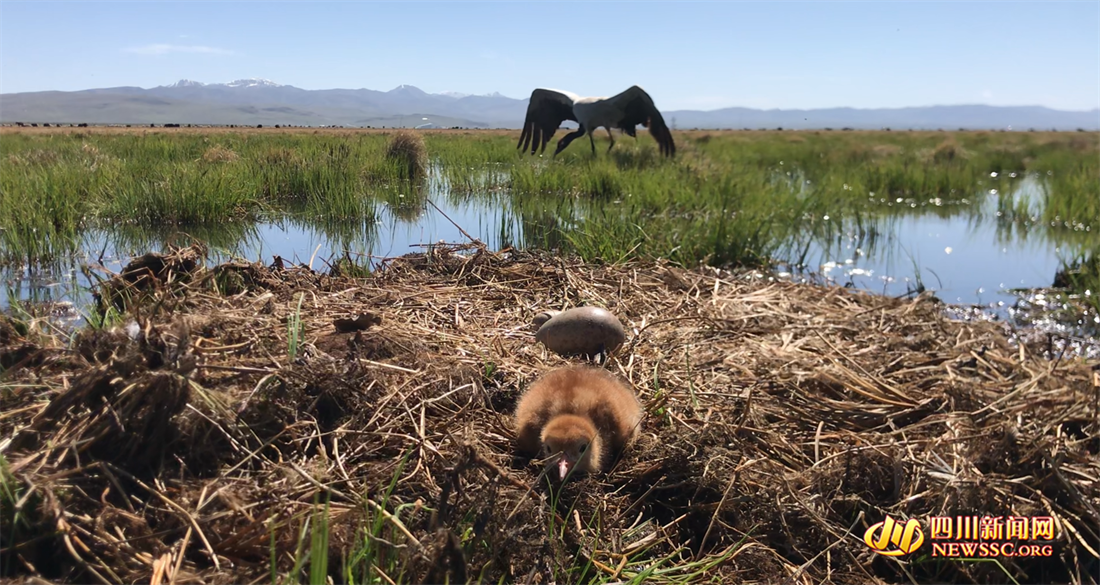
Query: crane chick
pixel 580 417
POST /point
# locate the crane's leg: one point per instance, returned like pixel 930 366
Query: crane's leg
pixel 610 137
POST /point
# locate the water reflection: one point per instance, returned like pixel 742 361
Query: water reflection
pixel 970 252
pixel 397 230
pixel 970 248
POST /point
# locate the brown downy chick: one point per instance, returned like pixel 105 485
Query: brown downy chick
pixel 585 416
pixel 578 442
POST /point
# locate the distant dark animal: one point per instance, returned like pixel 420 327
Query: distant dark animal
pixel 360 323
pixel 548 108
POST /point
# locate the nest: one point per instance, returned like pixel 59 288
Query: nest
pixel 248 420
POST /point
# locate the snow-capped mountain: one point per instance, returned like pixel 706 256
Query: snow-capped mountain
pixel 253 82
pixel 460 95
pixel 185 83
pixel 250 82
pixel 408 91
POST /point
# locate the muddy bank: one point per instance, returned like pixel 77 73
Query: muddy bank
pixel 199 438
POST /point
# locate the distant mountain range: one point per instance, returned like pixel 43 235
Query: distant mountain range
pixel 260 101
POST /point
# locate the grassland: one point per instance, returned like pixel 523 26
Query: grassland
pixel 728 198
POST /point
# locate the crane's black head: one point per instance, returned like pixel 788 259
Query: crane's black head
pixel 565 140
pixel 561 145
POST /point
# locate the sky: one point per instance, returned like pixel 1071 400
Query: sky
pixel 687 55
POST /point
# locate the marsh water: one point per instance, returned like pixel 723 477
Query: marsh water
pixel 974 260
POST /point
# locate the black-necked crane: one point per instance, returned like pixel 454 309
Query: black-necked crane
pixel 548 108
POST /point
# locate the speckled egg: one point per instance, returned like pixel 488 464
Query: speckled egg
pixel 583 330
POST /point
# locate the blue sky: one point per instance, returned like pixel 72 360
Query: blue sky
pixel 699 55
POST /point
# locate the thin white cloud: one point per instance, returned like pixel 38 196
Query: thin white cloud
pixel 164 49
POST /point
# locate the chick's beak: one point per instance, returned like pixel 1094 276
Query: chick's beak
pixel 564 465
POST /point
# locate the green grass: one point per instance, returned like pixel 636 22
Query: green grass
pixel 54 186
pixel 18 517
pixel 728 198
pixel 318 549
pixel 734 198
pixel 294 330
pixel 643 564
pixel 374 557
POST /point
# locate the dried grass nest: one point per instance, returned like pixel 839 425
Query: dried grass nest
pixel 782 421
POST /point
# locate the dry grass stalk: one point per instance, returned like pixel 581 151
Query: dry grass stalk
pixel 783 420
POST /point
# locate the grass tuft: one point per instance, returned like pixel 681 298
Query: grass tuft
pixel 948 151
pixel 408 151
pixel 219 154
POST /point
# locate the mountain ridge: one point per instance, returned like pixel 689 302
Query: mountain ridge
pixel 250 101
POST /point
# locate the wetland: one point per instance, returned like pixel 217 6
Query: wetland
pixel 287 355
pixel 989 221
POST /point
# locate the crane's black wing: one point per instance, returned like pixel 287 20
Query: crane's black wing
pixel 638 108
pixel 546 111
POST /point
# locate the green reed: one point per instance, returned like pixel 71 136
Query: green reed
pixel 53 186
pixel 727 198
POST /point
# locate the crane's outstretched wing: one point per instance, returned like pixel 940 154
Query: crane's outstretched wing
pixel 639 109
pixel 546 111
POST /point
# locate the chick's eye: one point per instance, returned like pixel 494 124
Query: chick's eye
pixel 583 447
